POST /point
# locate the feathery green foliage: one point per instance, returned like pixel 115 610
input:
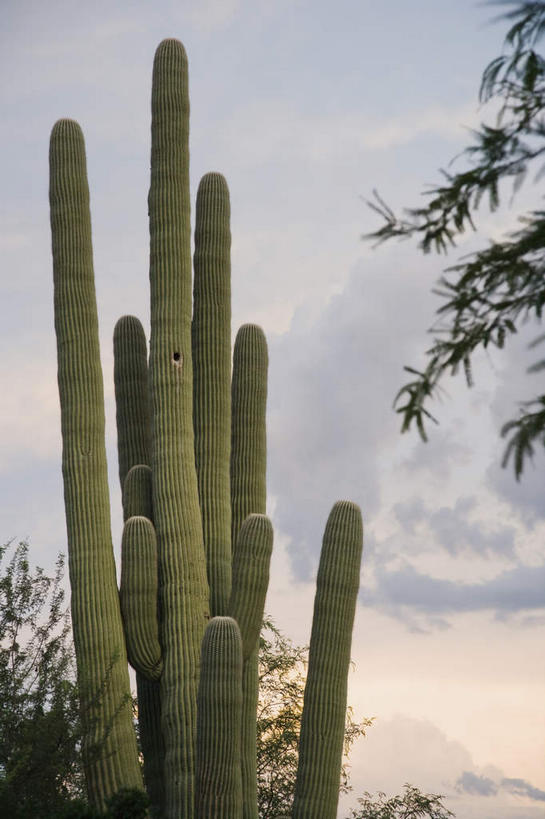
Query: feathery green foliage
pixel 489 295
pixel 412 803
pixel 40 727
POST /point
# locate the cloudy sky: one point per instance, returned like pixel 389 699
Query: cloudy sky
pixel 306 106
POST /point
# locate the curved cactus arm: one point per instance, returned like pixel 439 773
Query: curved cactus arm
pixel 251 579
pixel 138 595
pixel 248 495
pixel 131 395
pixel 218 779
pixel 110 742
pixel 137 492
pixel 211 346
pixel 177 517
pixel 324 710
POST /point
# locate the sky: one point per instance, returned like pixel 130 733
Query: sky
pixel 306 107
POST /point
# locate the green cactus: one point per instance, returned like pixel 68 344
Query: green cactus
pixel 211 347
pixel 249 495
pixel 219 784
pixel 324 709
pixel 196 541
pixel 182 568
pixel 134 456
pixel 100 647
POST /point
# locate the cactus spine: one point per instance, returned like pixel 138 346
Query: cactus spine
pixel 192 464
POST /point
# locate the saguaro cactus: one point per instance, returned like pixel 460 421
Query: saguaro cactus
pixel 110 744
pixel 196 542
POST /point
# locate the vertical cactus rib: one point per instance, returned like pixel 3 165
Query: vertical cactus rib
pixel 251 579
pixel 138 596
pixel 211 345
pixel 133 420
pixel 110 742
pixel 324 711
pixel 182 566
pixel 248 495
pixel 218 781
pixel 131 395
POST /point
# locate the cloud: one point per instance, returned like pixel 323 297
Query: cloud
pixel 404 749
pixel 520 787
pixel 472 783
pixel 452 528
pixel 521 589
pixel 330 423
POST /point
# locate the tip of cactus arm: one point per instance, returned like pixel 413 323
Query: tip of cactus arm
pixel 347 513
pixel 213 178
pixel 346 505
pixel 249 330
pixel 170 47
pixel 66 128
pixel 126 323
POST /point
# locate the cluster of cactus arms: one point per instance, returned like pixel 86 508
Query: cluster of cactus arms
pixel 196 542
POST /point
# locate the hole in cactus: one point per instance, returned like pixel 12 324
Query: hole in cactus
pixel 177 358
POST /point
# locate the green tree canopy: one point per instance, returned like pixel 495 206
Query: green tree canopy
pixel 40 732
pixel 487 296
pixel 411 804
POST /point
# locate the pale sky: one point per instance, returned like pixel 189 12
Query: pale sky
pixel 306 106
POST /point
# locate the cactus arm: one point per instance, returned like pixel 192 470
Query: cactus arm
pixel 177 518
pixel 138 595
pixel 134 454
pixel 137 492
pixel 131 395
pixel 218 780
pixel 324 709
pixel 110 742
pixel 251 579
pixel 211 346
pixel 248 495
pixel 248 431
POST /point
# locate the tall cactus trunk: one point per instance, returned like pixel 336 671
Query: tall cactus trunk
pixel 109 740
pixel 182 568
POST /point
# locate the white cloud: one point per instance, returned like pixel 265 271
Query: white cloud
pixel 403 749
